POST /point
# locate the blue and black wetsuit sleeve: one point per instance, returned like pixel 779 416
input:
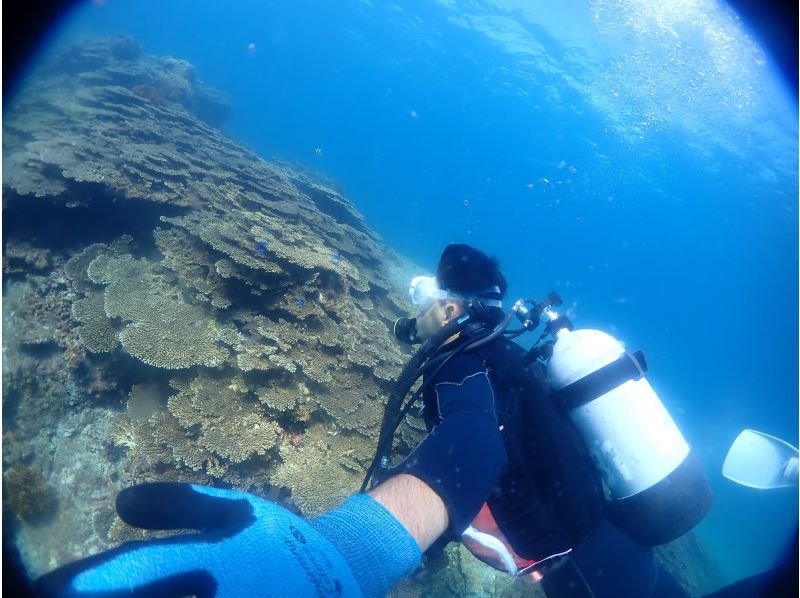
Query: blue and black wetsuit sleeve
pixel 463 455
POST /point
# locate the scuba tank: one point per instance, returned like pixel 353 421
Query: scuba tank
pixel 656 489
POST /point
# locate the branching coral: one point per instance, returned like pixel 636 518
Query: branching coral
pixel 229 426
pixel 321 469
pixel 97 331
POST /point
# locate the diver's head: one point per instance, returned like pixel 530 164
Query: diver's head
pixel 464 277
pixel 440 313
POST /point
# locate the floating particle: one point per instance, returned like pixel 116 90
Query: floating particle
pixel 317 151
pixel 466 202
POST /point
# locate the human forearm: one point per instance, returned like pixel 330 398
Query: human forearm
pixel 415 505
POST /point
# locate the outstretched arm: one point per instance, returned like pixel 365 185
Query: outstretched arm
pixel 246 546
pixel 457 465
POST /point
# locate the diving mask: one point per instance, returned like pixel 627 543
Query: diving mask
pixel 423 291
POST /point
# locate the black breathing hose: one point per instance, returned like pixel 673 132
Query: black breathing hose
pixel 394 412
pixel 499 329
pixel 411 372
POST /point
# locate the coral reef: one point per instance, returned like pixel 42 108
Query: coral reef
pixel 213 317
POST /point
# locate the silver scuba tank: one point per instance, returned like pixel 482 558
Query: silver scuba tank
pixel 655 487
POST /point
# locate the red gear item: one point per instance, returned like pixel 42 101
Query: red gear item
pixel 487 542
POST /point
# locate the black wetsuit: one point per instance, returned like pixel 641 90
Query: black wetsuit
pixel 495 437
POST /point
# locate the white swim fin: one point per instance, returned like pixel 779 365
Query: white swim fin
pixel 762 461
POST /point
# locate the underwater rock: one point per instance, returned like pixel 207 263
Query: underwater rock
pixel 690 564
pixel 456 572
pixel 26 493
pixel 143 400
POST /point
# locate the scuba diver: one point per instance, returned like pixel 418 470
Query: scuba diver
pixel 521 490
pixel 534 489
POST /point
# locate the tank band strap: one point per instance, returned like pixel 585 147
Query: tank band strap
pixel 628 366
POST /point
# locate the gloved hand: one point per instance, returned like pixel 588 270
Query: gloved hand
pixel 246 546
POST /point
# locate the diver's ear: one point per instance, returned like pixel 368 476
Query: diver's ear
pixel 449 311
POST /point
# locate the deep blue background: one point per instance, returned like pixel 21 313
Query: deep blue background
pixel 681 240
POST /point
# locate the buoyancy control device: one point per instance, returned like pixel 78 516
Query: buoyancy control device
pixel 655 487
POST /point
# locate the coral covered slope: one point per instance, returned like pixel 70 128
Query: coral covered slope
pixel 150 260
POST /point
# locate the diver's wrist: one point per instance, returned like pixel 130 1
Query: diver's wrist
pixel 378 549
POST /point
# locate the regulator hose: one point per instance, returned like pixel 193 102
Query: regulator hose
pixel 411 372
pixel 394 412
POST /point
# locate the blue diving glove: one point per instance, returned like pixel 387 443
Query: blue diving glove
pixel 246 546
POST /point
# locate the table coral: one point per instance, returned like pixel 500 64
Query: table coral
pixel 283 398
pixel 193 264
pixel 96 330
pixel 321 469
pixel 164 330
pixel 229 427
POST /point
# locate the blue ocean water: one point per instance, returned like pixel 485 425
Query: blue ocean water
pixel 639 160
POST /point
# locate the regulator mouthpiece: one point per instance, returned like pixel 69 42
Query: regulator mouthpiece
pixel 405 329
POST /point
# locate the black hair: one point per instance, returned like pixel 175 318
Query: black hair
pixel 465 270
